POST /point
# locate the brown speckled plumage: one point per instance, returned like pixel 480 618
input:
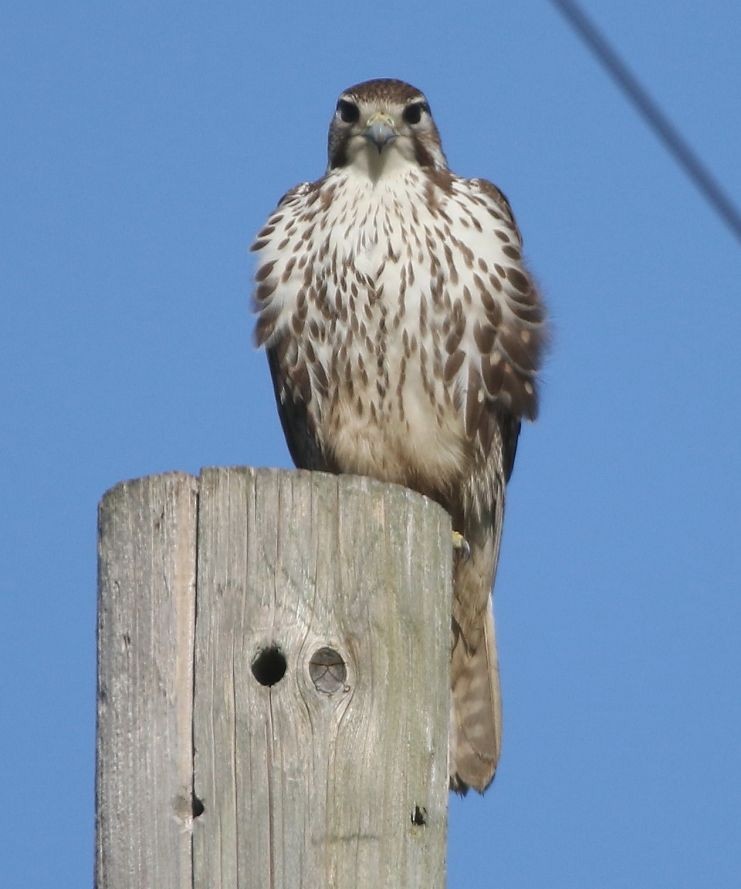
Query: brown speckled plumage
pixel 404 335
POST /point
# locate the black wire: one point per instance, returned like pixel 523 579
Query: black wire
pixel 656 119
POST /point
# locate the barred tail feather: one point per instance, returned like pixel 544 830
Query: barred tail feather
pixel 476 701
pixel 476 717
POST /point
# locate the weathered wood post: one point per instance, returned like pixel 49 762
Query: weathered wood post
pixel 273 698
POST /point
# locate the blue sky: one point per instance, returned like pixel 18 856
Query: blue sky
pixel 144 144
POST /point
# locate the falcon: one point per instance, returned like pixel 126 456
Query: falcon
pixel 404 334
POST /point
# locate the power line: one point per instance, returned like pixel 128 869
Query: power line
pixel 656 119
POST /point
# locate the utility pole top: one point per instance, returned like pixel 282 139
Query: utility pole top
pixel 273 683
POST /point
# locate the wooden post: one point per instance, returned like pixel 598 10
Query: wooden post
pixel 273 674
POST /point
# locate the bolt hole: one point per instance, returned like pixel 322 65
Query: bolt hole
pixel 198 807
pixel 269 667
pixel 327 670
pixel 419 816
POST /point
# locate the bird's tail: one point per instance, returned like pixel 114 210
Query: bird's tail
pixel 476 704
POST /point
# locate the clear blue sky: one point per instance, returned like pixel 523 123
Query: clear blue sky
pixel 142 146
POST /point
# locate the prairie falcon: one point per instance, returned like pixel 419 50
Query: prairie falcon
pixel 404 334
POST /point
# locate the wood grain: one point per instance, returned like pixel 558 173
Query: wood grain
pixel 146 611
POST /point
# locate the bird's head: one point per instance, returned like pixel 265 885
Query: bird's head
pixel 380 124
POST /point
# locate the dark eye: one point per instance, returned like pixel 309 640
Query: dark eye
pixel 413 113
pixel 348 111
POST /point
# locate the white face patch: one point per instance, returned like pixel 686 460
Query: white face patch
pixel 414 136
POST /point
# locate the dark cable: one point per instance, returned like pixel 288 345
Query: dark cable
pixel 656 119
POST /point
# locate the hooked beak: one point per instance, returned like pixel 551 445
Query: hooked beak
pixel 380 130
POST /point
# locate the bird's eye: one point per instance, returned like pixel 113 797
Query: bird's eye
pixel 348 111
pixel 413 113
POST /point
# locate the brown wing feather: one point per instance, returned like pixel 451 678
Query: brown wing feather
pixel 500 390
pixel 293 396
pixel 508 333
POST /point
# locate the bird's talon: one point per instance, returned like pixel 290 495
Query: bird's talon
pixel 460 545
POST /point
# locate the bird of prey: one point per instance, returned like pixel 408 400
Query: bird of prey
pixel 404 335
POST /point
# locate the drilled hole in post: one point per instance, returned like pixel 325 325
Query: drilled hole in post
pixel 198 807
pixel 327 670
pixel 269 667
pixel 419 816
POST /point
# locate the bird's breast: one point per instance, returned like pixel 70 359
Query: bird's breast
pixel 387 411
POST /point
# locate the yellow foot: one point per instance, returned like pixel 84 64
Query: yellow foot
pixel 460 545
